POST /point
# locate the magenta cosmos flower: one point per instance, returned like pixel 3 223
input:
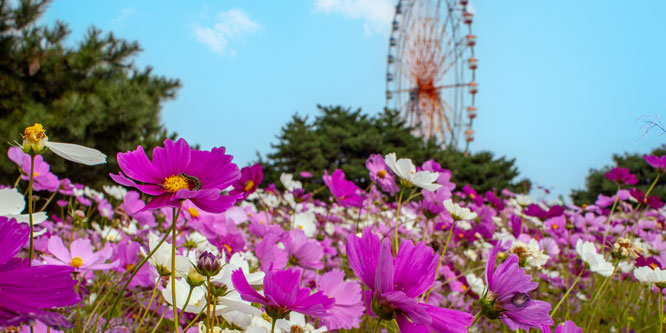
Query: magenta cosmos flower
pixel 506 298
pixel 348 309
pixel 26 291
pixel 344 191
pixel 396 283
pixel 657 162
pixel 621 176
pixel 249 180
pixel 381 174
pixel 42 176
pixel 283 294
pixel 80 255
pixel 177 173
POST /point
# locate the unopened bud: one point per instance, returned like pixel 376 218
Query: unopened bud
pixel 208 265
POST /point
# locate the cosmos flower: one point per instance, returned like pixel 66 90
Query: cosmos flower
pixel 249 181
pixel 348 309
pixel 12 204
pixel 657 162
pixel 405 169
pixel 43 179
pixel 283 294
pixel 507 299
pixel 26 291
pixel 178 173
pixel 80 255
pixel 621 176
pixel 396 283
pixel 380 174
pixel 568 327
pixel 590 256
pixel 344 191
pixel 458 212
pixel 647 274
pixel 303 251
pixel 35 141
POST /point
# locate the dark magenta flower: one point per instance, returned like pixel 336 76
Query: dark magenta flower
pixel 657 162
pixel 249 180
pixel 283 294
pixel 396 283
pixel 26 291
pixel 506 297
pixel 178 173
pixel 621 176
pixel 344 191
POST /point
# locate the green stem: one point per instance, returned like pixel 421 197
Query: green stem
pixel 193 320
pixel 425 230
pixel 603 244
pixel 187 301
pixel 134 272
pixel 273 325
pixel 603 284
pixel 32 229
pixel 476 317
pixel 377 326
pixel 176 324
pixel 48 201
pixel 439 262
pixel 152 297
pixel 567 293
pixel 661 310
pixel 397 218
pixel 209 300
pixel 652 186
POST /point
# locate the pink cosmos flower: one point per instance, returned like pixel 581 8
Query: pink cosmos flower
pixel 347 311
pixel 506 297
pixel 657 162
pixel 283 294
pixel 249 181
pixel 177 173
pixel 304 252
pixel 396 283
pixel 344 191
pixel 568 327
pixel 80 255
pixel 43 179
pixel 26 291
pixel 621 176
pixel 381 174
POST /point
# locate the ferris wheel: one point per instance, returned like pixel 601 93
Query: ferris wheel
pixel 430 75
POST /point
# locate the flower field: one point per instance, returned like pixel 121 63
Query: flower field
pixel 413 252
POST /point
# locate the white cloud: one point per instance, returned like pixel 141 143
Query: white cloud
pixel 375 14
pixel 123 16
pixel 232 24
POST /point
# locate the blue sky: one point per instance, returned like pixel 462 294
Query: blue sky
pixel 562 84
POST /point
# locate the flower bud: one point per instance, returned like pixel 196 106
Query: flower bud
pixel 194 279
pixel 208 265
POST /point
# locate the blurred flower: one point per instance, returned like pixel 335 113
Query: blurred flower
pixel 249 181
pixel 621 176
pixel 12 204
pixel 596 261
pixel 25 291
pixel 657 162
pixel 380 174
pixel 568 327
pixel 80 255
pixel 458 212
pixel 347 311
pixel 43 179
pixel 283 294
pixel 507 299
pixel 177 173
pixel 344 191
pixel 647 274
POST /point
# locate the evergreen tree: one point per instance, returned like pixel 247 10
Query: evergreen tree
pixel 91 95
pixel 596 182
pixel 344 139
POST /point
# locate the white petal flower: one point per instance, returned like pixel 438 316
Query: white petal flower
pixel 598 264
pixel 161 259
pixel 289 183
pixel 197 300
pixel 405 169
pixel 457 212
pixel 646 274
pixel 296 323
pixel 306 222
pixel 116 191
pixel 12 204
pixel 108 233
pixel 475 283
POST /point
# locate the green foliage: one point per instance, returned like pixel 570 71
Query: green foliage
pixel 596 182
pixel 90 95
pixel 344 139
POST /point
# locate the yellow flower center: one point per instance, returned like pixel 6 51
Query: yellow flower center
pixel 300 227
pixel 129 267
pixel 460 235
pixel 653 266
pixel 76 261
pixel 342 197
pixel 193 212
pixel 248 185
pixel 227 247
pixel 34 132
pixel 555 226
pixel 179 182
pixel 464 287
pixel 381 174
pixel 34 174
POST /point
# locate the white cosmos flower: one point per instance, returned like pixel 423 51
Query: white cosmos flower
pixel 588 253
pixel 530 252
pixel 12 204
pixel 458 212
pixel 161 259
pixel 475 283
pixel 306 222
pixel 288 181
pixel 108 233
pixel 116 191
pixel 197 300
pixel 297 323
pixel 646 274
pixel 405 169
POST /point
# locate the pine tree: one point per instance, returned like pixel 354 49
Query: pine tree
pixel 91 95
